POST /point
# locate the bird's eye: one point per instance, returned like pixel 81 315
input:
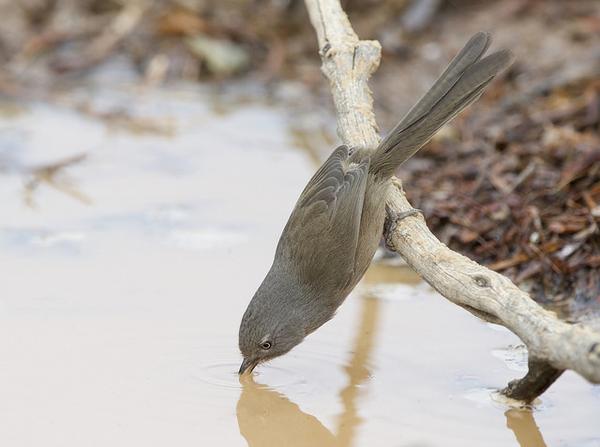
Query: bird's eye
pixel 266 345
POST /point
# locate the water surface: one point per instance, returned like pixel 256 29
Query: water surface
pixel 136 226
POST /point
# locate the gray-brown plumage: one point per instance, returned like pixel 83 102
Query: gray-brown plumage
pixel 335 227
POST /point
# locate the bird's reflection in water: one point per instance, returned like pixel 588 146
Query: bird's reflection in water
pixel 268 418
pixel 523 425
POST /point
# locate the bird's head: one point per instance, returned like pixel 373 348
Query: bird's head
pixel 270 327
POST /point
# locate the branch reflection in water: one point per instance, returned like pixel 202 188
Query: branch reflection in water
pixel 522 423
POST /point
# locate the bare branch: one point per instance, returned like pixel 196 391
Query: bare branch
pixel 537 380
pixel 348 63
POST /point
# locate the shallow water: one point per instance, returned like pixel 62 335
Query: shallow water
pixel 129 249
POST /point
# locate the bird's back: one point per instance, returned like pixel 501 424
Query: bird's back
pixel 336 225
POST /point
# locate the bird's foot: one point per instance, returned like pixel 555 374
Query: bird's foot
pixel 391 223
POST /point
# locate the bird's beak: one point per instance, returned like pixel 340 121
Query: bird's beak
pixel 247 365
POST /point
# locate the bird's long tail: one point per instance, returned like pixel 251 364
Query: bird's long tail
pixel 462 83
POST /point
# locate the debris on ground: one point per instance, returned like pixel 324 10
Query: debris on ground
pixel 517 188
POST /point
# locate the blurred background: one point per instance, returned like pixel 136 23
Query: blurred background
pixel 519 193
pixel 150 153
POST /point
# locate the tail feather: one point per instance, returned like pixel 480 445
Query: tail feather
pixel 461 84
pixel 471 53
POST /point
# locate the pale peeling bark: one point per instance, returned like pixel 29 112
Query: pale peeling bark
pixel 348 63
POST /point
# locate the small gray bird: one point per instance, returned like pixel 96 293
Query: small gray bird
pixel 336 225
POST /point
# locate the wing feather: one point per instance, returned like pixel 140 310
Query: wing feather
pixel 321 236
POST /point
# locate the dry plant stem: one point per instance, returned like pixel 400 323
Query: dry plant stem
pixel 348 64
pixel 120 27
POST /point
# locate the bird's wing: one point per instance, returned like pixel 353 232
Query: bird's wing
pixel 320 238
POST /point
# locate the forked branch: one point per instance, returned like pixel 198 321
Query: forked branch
pixel 348 64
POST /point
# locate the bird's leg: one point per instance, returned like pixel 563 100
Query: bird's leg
pixel 391 223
